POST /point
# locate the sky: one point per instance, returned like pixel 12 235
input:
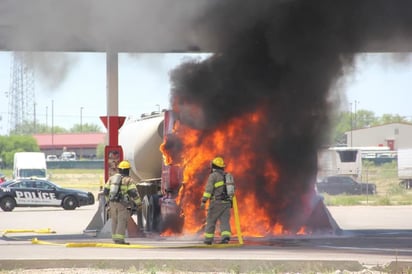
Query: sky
pixel 80 92
pixel 74 85
pixel 382 83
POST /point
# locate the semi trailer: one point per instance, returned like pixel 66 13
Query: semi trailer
pixel 405 167
pixel 158 182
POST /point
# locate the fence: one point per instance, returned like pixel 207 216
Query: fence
pixel 83 164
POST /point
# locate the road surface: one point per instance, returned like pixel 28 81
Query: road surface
pixel 378 237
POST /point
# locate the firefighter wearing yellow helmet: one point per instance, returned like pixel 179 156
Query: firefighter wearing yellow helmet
pixel 219 205
pixel 121 192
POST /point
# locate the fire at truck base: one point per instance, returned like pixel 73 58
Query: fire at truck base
pixel 159 185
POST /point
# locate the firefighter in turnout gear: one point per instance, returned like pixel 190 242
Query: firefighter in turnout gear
pixel 121 193
pixel 219 205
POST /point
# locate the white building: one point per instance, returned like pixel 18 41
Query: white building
pixel 395 136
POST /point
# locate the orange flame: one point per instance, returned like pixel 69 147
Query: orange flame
pixel 234 142
pixel 167 158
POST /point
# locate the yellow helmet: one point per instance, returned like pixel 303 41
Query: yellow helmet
pixel 218 161
pixel 124 165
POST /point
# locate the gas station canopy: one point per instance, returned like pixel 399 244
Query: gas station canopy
pixel 157 25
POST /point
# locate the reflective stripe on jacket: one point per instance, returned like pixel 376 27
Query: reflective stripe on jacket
pixel 215 187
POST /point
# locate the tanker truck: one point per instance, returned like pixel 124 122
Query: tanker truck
pixel 158 183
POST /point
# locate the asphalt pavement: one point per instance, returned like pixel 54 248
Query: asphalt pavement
pixel 371 237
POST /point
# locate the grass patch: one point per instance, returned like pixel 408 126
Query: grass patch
pixel 83 179
pixel 377 200
pixel 75 171
pixel 348 200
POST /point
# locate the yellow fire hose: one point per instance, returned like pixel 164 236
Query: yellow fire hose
pixel 112 245
pixel 39 242
pixel 237 221
pixel 39 231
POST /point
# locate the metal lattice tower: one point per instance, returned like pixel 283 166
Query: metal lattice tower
pixel 21 95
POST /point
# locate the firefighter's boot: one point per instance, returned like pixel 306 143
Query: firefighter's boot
pixel 121 242
pixel 225 240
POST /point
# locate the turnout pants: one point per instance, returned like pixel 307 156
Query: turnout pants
pixel 218 210
pixel 119 215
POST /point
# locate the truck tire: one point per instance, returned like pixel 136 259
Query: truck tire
pixel 146 214
pixel 7 203
pixel 407 183
pixel 155 212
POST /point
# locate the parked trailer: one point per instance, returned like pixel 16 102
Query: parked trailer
pixel 347 161
pixel 405 167
pixel 339 161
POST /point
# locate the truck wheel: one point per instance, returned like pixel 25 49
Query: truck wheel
pixel 146 214
pixel 69 203
pixel 155 212
pixel 7 204
pixel 406 183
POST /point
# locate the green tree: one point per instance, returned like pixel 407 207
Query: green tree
pixel 363 119
pixel 345 121
pixel 29 128
pixel 15 143
pixel 100 151
pixel 342 123
pixel 392 118
pixel 85 128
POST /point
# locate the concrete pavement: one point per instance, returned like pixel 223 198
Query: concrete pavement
pixel 372 237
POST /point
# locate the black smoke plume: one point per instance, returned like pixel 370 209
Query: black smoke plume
pixel 284 57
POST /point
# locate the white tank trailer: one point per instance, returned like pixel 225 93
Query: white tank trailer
pixel 140 140
pixel 158 183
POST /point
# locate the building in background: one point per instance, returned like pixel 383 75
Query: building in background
pixel 395 136
pixel 83 144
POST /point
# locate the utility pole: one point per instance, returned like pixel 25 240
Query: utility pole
pixel 47 114
pixel 351 125
pixel 34 118
pixel 356 120
pixel 52 126
pixel 81 119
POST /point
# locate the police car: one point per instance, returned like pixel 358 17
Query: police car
pixel 37 192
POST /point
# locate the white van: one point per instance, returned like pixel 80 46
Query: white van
pixel 29 165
